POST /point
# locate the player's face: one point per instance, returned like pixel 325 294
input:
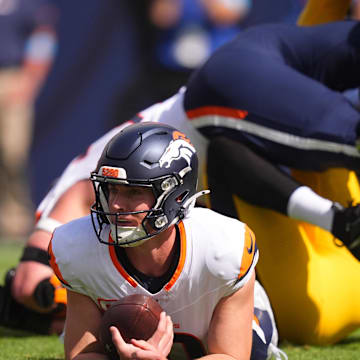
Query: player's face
pixel 123 198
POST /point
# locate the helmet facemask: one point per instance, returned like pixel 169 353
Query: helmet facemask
pixel 153 223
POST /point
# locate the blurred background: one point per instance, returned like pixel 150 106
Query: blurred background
pixel 71 70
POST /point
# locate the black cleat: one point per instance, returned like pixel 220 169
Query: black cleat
pixel 346 227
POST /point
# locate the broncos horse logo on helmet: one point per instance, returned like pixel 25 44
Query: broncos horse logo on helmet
pixel 178 148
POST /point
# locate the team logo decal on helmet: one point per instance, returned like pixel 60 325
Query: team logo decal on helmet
pixel 180 147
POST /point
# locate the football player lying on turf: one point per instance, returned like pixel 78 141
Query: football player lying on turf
pixel 240 115
pixel 144 236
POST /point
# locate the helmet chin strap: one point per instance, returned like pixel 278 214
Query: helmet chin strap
pixel 128 233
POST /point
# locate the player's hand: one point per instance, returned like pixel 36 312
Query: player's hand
pixel 27 277
pixel 163 337
pixel 156 348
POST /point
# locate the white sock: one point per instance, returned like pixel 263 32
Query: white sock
pixel 304 204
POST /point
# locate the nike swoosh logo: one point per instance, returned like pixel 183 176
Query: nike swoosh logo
pixel 250 250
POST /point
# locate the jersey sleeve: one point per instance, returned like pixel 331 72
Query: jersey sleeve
pixel 232 255
pixel 66 253
pixel 250 251
pixel 54 263
pixel 249 259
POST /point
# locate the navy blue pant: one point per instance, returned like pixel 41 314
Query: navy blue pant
pixel 277 89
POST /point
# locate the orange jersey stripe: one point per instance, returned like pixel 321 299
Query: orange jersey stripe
pixel 118 266
pixel 248 253
pixel 55 266
pixel 217 110
pixel 181 263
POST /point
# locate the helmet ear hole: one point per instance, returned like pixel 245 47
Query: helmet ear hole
pixel 182 197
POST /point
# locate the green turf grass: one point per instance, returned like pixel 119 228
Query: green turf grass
pixel 16 345
pixel 348 349
pixel 10 253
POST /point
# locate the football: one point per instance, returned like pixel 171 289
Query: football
pixel 136 317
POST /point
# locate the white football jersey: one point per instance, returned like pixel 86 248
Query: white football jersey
pixel 170 112
pixel 218 255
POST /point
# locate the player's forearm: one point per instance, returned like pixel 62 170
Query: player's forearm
pixel 42 233
pixel 40 239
